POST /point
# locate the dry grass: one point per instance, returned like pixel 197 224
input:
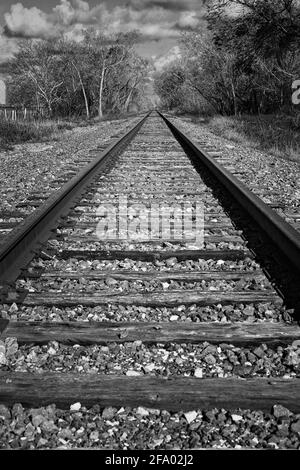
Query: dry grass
pixel 278 135
pixel 16 132
pixel 117 116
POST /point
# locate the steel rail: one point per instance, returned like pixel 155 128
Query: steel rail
pixel 35 229
pixel 283 235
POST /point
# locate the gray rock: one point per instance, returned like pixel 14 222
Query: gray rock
pixel 13 308
pixel 210 359
pixel 283 430
pixel 287 317
pixel 65 434
pixel 142 411
pixel 227 366
pixel 4 412
pixel 171 261
pixel 111 282
pixel 133 373
pixel 149 368
pixel 249 311
pixel 94 436
pixel 295 427
pixel 259 352
pixel 50 410
pixel 292 359
pixel 174 317
pixel 11 346
pixel 75 406
pixel 2 347
pixel 208 350
pixel 280 411
pixel 42 442
pixel 17 410
pixel 37 420
pixel 236 418
pixel 29 431
pixel 3 360
pixel 251 357
pixel 48 426
pixel 198 373
pixel 190 416
pixel 109 412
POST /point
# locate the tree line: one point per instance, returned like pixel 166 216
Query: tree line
pixel 98 75
pixel 244 62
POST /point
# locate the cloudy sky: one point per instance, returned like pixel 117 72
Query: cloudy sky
pixel 159 21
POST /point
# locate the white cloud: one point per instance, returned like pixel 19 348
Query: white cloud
pixel 152 17
pixel 27 22
pixel 80 4
pixel 188 19
pixel 166 59
pixel 67 12
pixel 174 5
pixel 76 33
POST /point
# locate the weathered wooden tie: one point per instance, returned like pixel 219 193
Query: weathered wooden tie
pixel 89 333
pixel 174 394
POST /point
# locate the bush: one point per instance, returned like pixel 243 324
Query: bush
pixel 277 134
pixel 16 132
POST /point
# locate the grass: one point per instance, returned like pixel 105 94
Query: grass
pixel 17 132
pixel 279 135
pixel 116 116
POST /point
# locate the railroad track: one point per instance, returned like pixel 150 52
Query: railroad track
pixel 10 219
pixel 237 285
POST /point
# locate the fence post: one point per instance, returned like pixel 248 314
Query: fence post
pixel 14 113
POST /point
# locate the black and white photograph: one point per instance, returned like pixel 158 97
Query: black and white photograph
pixel 150 229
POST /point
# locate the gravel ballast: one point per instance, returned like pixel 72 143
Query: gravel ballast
pixel 202 360
pixel 134 313
pixel 273 179
pixel 171 264
pixel 144 428
pixel 35 166
pixel 111 285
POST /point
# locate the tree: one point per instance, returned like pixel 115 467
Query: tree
pixel 125 83
pixel 211 72
pixel 265 39
pixel 168 85
pixel 247 60
pixel 75 56
pixel 38 63
pixel 99 74
pixel 107 53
